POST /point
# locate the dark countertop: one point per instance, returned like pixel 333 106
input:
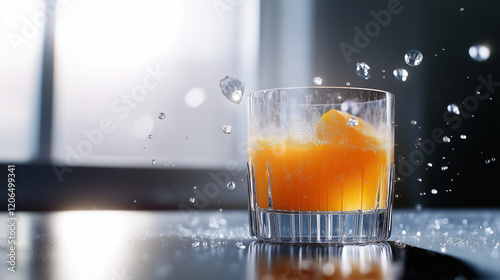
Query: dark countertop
pixel 428 244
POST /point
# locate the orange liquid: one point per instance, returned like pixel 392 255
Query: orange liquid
pixel 345 168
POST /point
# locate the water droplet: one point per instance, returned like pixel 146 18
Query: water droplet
pixel 444 167
pixel 317 81
pixel 231 185
pixel 464 221
pixel 240 245
pixel 227 129
pixel 413 122
pixel 153 161
pixel 434 191
pixel 419 179
pixel 362 69
pixel 353 121
pixel 195 187
pixel 463 136
pixel 487 161
pixel 493 159
pixel 413 57
pixel 446 139
pixel 453 108
pixel 461 9
pixel 350 107
pixel 192 199
pixel 135 201
pixel 403 232
pixel 479 52
pixel 150 136
pixel 161 116
pixel 418 233
pixel 418 207
pixel 400 74
pixel 347 83
pixel 232 89
pixel 429 164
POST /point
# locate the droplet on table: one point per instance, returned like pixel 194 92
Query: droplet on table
pixel 232 89
pixel 400 74
pixel 362 69
pixel 413 57
pixel 161 116
pixel 153 161
pixel 317 81
pixel 227 129
pixel 150 136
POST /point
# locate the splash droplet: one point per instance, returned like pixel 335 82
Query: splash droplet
pixel 227 129
pixel 479 52
pixel 353 121
pixel 400 74
pixel 231 185
pixel 418 207
pixel 161 116
pixel 317 81
pixel 434 191
pixel 413 57
pixel 362 69
pixel 446 139
pixel 192 199
pixel 232 89
pixel 453 108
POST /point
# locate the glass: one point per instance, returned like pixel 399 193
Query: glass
pixel 321 164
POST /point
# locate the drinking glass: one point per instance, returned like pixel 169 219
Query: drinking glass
pixel 320 164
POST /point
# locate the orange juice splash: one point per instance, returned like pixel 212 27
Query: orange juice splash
pixel 345 168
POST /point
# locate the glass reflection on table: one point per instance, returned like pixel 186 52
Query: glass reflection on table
pixel 283 261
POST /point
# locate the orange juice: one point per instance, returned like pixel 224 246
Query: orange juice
pixel 344 167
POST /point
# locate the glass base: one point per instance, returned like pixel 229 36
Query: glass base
pixel 320 227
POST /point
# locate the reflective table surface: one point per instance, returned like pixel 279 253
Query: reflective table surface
pixel 117 245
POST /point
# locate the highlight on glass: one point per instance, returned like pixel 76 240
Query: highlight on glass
pixel 321 164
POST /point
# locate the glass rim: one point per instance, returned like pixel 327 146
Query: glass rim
pixel 322 87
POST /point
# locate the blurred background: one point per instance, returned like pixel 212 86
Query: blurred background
pixel 117 105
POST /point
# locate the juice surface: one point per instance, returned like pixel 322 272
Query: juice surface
pixel 345 168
